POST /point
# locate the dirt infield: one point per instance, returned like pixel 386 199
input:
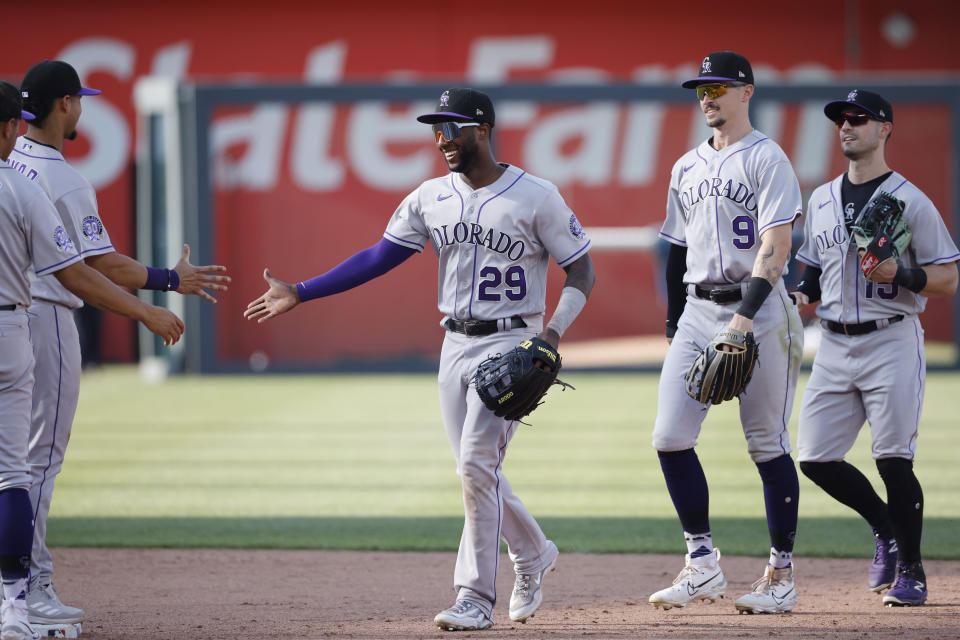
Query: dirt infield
pixel 236 595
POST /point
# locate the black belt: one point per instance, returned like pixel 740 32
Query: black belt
pixel 862 328
pixel 8 307
pixel 719 296
pixel 481 327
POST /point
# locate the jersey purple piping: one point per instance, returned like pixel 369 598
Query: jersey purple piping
pixel 952 258
pixel 843 255
pixel 56 414
pixel 476 248
pixel 779 222
pixel 716 205
pixel 104 249
pixel 456 289
pixel 496 562
pixel 390 236
pixel 575 254
pixel 40 272
pixel 898 186
pixel 24 153
pixel 669 237
pixel 913 438
pixel 809 261
pixel 786 392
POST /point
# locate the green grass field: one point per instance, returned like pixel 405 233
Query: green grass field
pixel 362 462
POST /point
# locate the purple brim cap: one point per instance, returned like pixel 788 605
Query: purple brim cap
pixel 692 84
pixel 441 116
pixel 26 115
pixel 88 92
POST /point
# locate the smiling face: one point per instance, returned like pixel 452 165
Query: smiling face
pixel 861 135
pixel 723 101
pixel 461 153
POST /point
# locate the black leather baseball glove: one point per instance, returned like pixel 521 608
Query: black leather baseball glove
pixel 881 233
pixel 718 375
pixel 512 385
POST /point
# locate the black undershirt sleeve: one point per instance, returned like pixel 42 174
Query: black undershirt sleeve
pixel 810 285
pixel 676 291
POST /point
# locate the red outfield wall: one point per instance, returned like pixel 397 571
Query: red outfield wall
pixel 299 189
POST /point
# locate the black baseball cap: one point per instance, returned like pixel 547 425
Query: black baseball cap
pixel 53 79
pixel 722 66
pixel 873 103
pixel 11 104
pixel 461 104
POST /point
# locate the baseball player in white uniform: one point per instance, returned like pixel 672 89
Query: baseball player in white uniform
pixel 871 364
pixel 493 228
pixel 730 210
pixel 34 242
pixel 52 91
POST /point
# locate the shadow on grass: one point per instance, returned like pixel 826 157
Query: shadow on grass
pixel 826 537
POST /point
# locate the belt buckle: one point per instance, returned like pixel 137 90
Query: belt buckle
pixel 468 328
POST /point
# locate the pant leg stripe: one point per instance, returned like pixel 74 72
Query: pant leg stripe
pixel 56 415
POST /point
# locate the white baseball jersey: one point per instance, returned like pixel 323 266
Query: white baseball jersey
pixel 720 202
pixel 493 244
pixel 75 201
pixel 33 239
pixel 846 295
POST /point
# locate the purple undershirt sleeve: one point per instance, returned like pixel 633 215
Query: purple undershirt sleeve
pixel 355 270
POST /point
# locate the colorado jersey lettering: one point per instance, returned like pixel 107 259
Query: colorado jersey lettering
pixel 720 202
pixel 493 244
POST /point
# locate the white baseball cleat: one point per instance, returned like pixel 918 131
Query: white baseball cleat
pixel 775 592
pixel 16 625
pixel 463 616
pixel 44 607
pixel 700 579
pixel 527 594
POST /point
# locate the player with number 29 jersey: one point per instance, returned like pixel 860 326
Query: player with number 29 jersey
pixel 493 244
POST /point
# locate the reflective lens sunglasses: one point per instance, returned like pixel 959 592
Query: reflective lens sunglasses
pixel 855 119
pixel 451 130
pixel 715 89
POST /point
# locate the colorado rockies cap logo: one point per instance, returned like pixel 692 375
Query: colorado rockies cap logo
pixel 852 96
pixel 92 228
pixel 576 229
pixel 63 240
pixel 705 67
pixel 445 99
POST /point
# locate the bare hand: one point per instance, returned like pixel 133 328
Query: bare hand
pixel 885 272
pixel 800 299
pixel 165 324
pixel 193 279
pixel 278 299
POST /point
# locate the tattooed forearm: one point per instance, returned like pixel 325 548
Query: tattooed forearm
pixel 774 251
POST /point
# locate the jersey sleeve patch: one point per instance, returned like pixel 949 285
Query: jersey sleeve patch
pixel 92 228
pixel 576 229
pixel 62 238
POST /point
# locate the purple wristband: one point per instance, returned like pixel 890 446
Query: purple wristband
pixel 162 279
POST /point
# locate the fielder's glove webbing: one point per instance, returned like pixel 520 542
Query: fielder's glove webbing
pixel 718 375
pixel 881 233
pixel 512 385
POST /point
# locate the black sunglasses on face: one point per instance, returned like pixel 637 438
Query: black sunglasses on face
pixel 855 119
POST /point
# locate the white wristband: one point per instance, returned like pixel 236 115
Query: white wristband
pixel 569 307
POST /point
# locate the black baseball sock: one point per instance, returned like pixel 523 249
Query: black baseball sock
pixel 905 498
pixel 780 494
pixel 847 485
pixel 687 485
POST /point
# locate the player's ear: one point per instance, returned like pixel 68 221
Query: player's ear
pixel 748 92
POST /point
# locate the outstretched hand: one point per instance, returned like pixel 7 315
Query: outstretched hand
pixel 278 299
pixel 194 279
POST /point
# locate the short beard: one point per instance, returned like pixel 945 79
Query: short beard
pixel 716 124
pixel 468 158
